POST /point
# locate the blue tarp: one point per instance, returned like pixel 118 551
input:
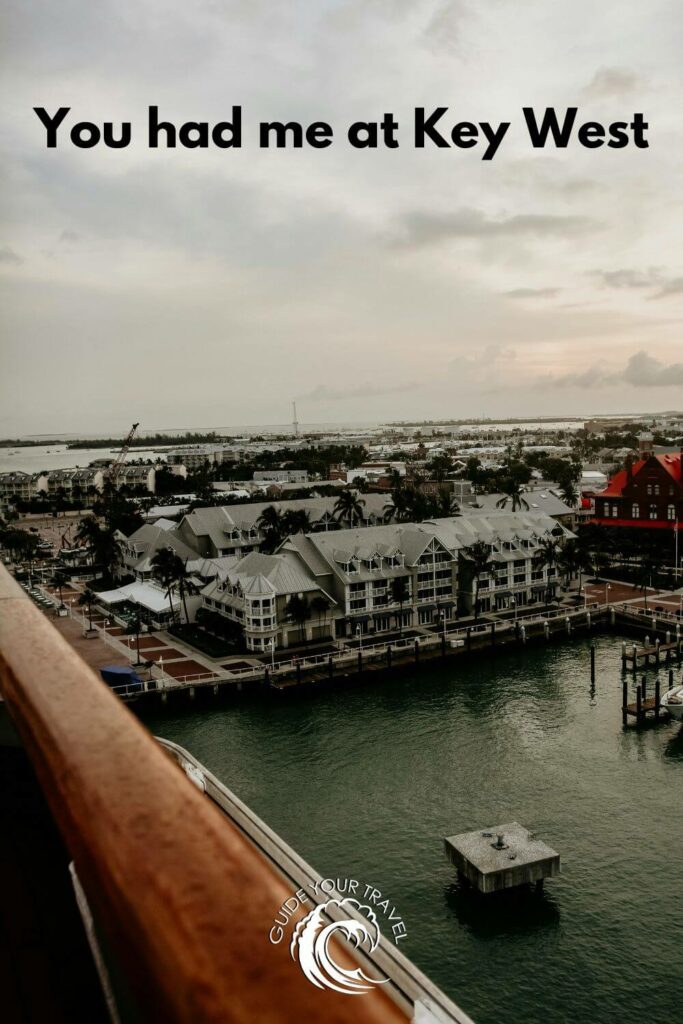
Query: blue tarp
pixel 121 675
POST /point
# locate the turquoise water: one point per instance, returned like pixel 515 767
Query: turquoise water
pixel 365 782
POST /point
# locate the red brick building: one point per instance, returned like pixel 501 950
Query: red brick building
pixel 647 493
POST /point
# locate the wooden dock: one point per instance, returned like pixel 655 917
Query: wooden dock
pixel 652 654
pixel 643 706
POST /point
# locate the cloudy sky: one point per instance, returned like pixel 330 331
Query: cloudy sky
pixel 213 287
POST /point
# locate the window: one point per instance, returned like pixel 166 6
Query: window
pixel 671 512
pixel 656 488
pixel 615 511
pixel 635 510
pixel 653 511
pixel 649 488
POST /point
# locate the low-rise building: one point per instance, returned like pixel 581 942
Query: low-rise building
pixel 77 485
pixel 136 478
pixel 235 530
pixel 20 486
pixel 281 476
pixel 646 494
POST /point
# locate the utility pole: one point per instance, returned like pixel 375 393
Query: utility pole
pixel 295 422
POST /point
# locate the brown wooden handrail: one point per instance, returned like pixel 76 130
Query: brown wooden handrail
pixel 185 900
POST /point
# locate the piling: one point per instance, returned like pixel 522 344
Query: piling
pixel 417 651
pixel 388 655
pixel 643 687
pixel 592 663
pixel 360 660
pixel 443 645
pixel 639 706
pixel 657 696
pixel 330 667
pixel 493 634
pixel 623 657
pixel 624 703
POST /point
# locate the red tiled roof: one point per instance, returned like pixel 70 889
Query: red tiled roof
pixel 671 463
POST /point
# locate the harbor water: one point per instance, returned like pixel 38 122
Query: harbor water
pixel 365 782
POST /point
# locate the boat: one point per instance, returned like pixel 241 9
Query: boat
pixel 672 701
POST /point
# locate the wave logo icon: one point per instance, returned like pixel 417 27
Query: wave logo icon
pixel 311 946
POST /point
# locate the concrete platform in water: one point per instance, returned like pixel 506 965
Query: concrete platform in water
pixel 502 857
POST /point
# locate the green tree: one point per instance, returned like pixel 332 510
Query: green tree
pixel 547 556
pixel 399 595
pixel 169 569
pixel 271 525
pixel 480 564
pixel 349 507
pixel 513 494
pixel 299 610
pixel 87 599
pixel 319 608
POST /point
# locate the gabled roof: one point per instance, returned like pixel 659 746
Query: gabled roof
pixel 671 463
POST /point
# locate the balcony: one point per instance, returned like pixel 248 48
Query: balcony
pixel 181 878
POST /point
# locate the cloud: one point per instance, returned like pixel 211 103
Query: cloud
pixel 68 236
pixel 644 371
pixel 9 256
pixel 629 278
pixel 674 286
pixel 422 228
pixel 641 371
pixel 323 393
pixel 611 82
pixel 653 277
pixel 533 293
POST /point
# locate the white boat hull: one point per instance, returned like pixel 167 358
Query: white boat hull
pixel 672 701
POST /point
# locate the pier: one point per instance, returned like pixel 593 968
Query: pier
pixel 502 857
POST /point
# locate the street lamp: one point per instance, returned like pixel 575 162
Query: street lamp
pixel 514 605
pixel 104 626
pixel 584 591
pixel 443 620
pixel 272 653
pixel 608 587
pixel 359 634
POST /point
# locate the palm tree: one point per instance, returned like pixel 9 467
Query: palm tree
pixel 168 568
pixel 569 493
pixel 547 556
pixel 349 507
pixel 270 523
pixel 319 607
pixel 570 561
pixel 87 598
pixel 481 563
pixel 297 521
pixel 299 610
pixel 513 493
pixel 58 581
pixel 440 467
pixel 399 595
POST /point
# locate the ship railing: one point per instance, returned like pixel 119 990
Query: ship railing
pixel 182 898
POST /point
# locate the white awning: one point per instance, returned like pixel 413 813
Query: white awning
pixel 145 594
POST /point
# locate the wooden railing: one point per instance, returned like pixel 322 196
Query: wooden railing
pixel 183 898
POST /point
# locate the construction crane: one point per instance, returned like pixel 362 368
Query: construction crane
pixel 112 473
